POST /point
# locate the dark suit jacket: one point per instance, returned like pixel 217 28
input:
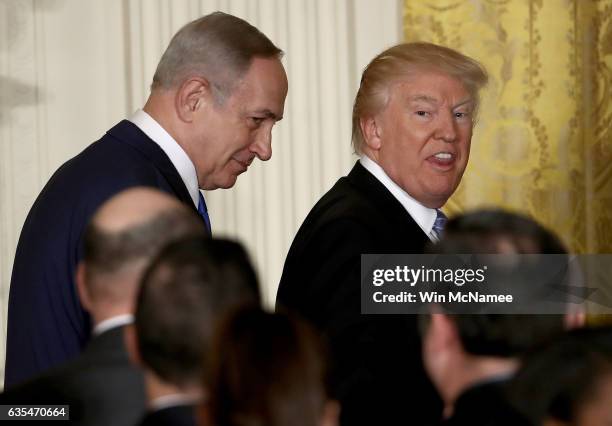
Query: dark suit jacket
pixel 377 371
pixel 100 385
pixel 46 324
pixel 485 404
pixel 179 415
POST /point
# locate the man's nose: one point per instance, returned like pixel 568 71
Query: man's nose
pixel 447 127
pixel 262 146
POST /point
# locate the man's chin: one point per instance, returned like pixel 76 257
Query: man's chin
pixel 440 191
pixel 224 182
pixel 229 182
pixel 437 197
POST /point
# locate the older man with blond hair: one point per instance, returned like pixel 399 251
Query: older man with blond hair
pixel 412 125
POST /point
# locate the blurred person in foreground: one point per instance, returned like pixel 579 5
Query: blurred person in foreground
pixel 126 232
pixel 185 292
pixel 568 382
pixel 471 358
pixel 218 90
pixel 267 369
pixel 413 118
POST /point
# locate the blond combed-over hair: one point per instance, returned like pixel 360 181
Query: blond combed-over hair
pixel 403 60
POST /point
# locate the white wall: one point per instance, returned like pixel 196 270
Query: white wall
pixel 70 69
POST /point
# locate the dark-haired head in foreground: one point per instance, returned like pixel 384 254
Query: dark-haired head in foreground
pixel 568 382
pixel 470 357
pixel 495 231
pixel 184 293
pixel 267 369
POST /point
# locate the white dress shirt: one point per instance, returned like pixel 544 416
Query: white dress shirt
pixel 173 400
pixel 423 216
pixel 181 162
pixel 112 322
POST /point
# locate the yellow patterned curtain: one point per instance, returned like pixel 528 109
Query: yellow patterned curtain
pixel 543 143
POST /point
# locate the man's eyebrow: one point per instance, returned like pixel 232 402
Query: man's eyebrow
pixel 433 100
pixel 463 102
pixel 269 114
pixel 425 98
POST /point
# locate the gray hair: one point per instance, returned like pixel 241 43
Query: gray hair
pixel 219 47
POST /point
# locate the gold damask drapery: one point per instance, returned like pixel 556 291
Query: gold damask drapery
pixel 543 143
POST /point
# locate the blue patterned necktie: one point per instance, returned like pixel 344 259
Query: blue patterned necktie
pixel 439 223
pixel 204 212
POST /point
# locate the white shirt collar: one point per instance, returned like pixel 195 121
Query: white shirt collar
pixel 423 216
pixel 172 400
pixel 112 322
pixel 181 162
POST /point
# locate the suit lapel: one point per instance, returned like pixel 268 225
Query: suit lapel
pixel 380 197
pixel 127 132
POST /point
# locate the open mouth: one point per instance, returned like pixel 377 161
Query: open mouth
pixel 442 160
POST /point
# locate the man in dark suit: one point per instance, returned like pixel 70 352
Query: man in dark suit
pixel 100 385
pixel 217 91
pixel 412 125
pixel 471 359
pixel 185 292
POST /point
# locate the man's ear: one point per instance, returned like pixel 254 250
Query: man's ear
pixel 193 95
pixel 203 414
pixel 443 331
pixel 371 131
pixel 82 291
pixel 575 319
pixel 131 344
pixel 331 413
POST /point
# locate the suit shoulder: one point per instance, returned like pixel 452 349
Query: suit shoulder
pixel 104 168
pixel 344 204
pixel 110 159
pixel 347 211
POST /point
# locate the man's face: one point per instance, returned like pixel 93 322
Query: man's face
pixel 434 351
pixel 424 136
pixel 230 136
pixel 597 409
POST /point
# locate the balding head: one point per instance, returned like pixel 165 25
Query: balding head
pixel 134 207
pixel 124 234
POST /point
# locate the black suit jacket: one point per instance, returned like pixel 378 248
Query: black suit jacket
pixel 46 324
pixel 485 404
pixel 377 370
pixel 100 385
pixel 178 415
